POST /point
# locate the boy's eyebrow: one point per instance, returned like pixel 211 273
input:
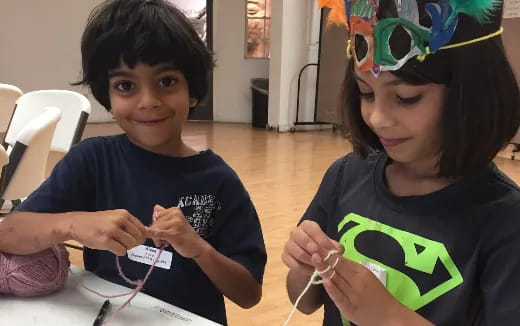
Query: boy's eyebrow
pixel 126 73
pixel 165 67
pixel 119 73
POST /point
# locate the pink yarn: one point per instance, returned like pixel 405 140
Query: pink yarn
pixel 139 285
pixel 36 274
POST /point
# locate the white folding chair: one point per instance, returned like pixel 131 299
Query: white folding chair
pixel 28 157
pixel 4 157
pixel 75 109
pixel 8 96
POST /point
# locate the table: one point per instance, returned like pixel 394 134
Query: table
pixel 74 305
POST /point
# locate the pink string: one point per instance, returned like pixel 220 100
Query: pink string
pixel 139 285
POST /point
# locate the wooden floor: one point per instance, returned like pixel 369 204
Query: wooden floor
pixel 281 173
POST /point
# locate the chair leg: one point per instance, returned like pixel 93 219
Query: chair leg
pixel 72 246
pixel 2 214
pixel 15 203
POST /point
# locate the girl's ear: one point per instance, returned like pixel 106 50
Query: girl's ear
pixel 193 102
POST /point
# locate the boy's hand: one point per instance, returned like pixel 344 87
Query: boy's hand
pixel 114 230
pixel 305 240
pixel 170 225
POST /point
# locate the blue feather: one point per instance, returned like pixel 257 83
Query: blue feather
pixel 441 34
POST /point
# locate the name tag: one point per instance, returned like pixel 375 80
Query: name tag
pixel 146 255
pixel 377 270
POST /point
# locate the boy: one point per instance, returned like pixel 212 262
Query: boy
pixel 145 63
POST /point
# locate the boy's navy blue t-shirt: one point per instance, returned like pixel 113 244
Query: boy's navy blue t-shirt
pixel 106 173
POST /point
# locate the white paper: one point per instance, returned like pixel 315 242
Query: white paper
pixel 76 306
pixel 511 9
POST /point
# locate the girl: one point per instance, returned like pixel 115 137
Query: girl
pixel 422 222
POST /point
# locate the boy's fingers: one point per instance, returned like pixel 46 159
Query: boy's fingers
pixel 138 233
pixel 139 227
pixel 157 234
pixel 158 208
pixel 161 213
pixel 150 233
pixel 116 248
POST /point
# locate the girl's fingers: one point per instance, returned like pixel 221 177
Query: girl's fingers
pixel 339 247
pixel 298 253
pixel 302 240
pixel 318 238
pixel 341 300
pixel 342 282
pixel 293 264
pixel 321 265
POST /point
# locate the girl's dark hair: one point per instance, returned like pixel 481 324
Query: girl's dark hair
pixel 481 112
pixel 146 31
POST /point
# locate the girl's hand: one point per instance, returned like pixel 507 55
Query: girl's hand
pixel 305 240
pixel 171 226
pixel 360 296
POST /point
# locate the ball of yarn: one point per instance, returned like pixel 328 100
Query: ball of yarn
pixel 36 274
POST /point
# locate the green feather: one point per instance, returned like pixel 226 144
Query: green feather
pixel 480 10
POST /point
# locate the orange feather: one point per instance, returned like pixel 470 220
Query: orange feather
pixel 337 14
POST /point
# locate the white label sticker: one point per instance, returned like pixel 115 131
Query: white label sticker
pixel 146 255
pixel 377 270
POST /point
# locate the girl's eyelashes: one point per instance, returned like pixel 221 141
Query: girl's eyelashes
pixel 366 96
pixel 409 100
pixel 369 96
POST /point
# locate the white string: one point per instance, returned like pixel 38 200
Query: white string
pixel 316 278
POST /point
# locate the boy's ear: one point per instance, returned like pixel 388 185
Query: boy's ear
pixel 193 102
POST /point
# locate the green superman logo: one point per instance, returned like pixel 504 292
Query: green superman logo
pixel 400 285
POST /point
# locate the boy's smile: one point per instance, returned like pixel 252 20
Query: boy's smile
pixel 151 103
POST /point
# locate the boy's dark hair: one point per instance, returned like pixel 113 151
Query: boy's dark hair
pixel 146 31
pixel 481 112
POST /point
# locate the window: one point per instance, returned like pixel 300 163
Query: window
pixel 195 10
pixel 258 28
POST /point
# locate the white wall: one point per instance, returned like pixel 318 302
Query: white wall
pixel 40 49
pixel 40 45
pixel 310 76
pixel 231 81
pixel 293 45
